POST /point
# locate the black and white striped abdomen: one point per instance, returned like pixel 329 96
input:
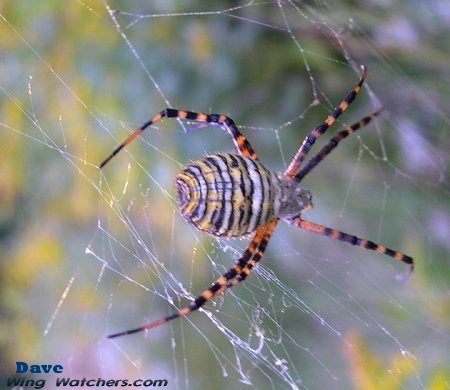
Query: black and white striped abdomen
pixel 228 194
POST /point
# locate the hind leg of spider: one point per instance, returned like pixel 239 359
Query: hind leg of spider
pixel 226 123
pixel 311 138
pixel 331 145
pixel 259 240
pixel 353 240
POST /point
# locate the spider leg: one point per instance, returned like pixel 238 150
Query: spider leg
pixel 311 138
pixel 255 249
pixel 226 123
pixel 331 145
pixel 353 240
pixel 248 268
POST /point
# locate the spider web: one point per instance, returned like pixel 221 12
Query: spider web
pixel 109 251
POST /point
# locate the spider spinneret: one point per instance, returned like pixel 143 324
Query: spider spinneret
pixel 233 195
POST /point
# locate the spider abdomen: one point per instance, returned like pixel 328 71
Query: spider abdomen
pixel 228 194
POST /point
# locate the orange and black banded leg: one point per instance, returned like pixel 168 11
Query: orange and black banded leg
pixel 247 270
pixel 331 145
pixel 353 240
pixel 311 138
pixel 254 249
pixel 241 143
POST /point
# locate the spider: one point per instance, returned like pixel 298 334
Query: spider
pixel 232 195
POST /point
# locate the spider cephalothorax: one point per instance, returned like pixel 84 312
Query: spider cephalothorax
pixel 233 195
pixel 296 199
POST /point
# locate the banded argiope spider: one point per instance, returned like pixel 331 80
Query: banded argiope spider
pixel 233 195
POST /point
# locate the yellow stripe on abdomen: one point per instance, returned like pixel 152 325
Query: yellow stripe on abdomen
pixel 228 194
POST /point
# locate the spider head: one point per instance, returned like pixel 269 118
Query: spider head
pixel 295 199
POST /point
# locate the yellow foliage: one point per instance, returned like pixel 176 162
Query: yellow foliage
pixel 201 44
pixel 39 253
pixel 370 372
pixel 440 380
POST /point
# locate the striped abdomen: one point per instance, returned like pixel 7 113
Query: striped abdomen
pixel 228 194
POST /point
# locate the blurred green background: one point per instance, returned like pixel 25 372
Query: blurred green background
pixel 84 254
